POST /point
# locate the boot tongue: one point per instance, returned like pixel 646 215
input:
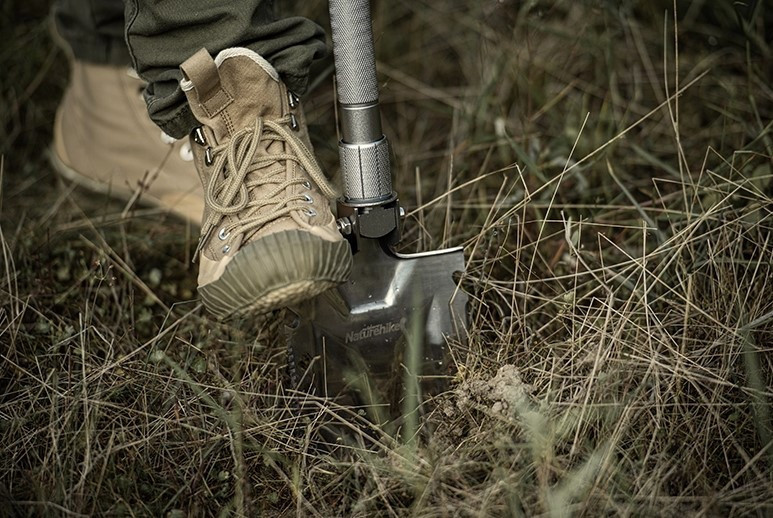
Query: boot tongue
pixel 228 93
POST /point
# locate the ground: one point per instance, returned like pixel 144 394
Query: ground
pixel 607 167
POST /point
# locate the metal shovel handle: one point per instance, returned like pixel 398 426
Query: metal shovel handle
pixel 363 149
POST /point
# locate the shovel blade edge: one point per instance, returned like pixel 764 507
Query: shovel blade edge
pixel 382 334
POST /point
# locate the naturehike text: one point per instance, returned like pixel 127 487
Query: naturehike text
pixel 371 331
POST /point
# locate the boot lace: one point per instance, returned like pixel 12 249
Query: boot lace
pixel 228 188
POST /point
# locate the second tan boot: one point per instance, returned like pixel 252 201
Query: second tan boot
pixel 105 141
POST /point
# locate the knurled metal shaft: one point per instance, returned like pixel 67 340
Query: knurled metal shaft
pixel 363 150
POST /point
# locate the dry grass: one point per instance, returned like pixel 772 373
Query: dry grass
pixel 614 197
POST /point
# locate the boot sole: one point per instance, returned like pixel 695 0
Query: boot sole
pixel 276 271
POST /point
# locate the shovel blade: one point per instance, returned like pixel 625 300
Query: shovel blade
pixel 364 341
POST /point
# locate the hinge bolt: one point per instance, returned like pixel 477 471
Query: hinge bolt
pixel 344 226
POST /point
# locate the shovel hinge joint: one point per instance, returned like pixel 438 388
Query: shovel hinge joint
pixel 381 222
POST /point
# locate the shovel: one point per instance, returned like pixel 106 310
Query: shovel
pixel 379 342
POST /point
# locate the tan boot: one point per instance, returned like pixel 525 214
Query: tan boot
pixel 105 141
pixel 269 238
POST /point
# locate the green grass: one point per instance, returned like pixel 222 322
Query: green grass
pixel 614 199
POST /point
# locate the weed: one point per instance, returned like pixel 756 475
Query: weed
pixel 607 166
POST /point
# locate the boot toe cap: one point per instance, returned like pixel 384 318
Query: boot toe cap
pixel 275 271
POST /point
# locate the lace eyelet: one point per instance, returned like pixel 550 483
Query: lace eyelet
pixel 208 160
pixel 226 249
pixel 307 184
pixel 198 136
pixel 223 235
pixel 310 212
pixel 293 99
pixel 308 199
pixel 293 122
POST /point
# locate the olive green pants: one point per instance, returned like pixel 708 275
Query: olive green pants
pixel 156 36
